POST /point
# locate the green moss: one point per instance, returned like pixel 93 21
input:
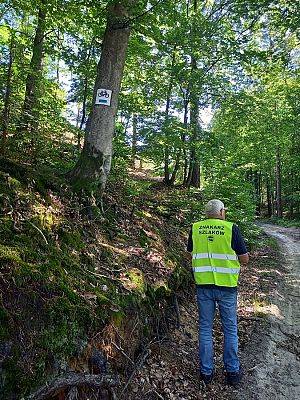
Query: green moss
pixel 27 273
pixel 161 289
pixel 6 228
pixel 9 255
pixel 134 280
pixel 65 323
pixel 72 239
pixel 13 183
pixel 118 318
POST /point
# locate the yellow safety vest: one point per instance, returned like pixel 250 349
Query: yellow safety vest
pixel 214 261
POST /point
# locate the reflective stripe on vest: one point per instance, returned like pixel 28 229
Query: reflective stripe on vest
pixel 209 268
pixel 215 255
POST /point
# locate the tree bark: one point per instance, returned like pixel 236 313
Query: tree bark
pixel 257 185
pixel 278 184
pixel 30 107
pixel 176 167
pixel 93 167
pixel 183 138
pixel 167 111
pixel 193 178
pixel 269 198
pixel 134 140
pixel 6 109
pixel 291 213
pixel 85 89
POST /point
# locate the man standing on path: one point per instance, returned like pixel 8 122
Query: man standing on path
pixel 217 248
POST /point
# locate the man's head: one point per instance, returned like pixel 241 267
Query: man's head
pixel 215 209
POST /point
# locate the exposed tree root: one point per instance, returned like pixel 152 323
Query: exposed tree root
pixel 72 380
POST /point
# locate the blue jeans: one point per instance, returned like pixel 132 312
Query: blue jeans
pixel 208 298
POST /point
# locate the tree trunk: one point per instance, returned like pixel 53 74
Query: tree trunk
pixel 93 167
pixel 176 168
pixel 6 109
pixel 85 90
pixel 183 138
pixel 269 199
pixel 134 140
pixel 256 181
pixel 30 107
pixel 278 184
pixel 291 213
pixel 193 178
pixel 167 148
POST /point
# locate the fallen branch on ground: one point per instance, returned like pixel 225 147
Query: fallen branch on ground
pixel 138 365
pixel 73 379
pixel 40 232
pixel 123 352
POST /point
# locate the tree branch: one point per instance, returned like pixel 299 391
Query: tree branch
pixel 146 12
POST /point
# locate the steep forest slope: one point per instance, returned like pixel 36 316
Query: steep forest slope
pixel 71 282
pixel 65 277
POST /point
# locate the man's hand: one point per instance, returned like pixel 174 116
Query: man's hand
pixel 244 258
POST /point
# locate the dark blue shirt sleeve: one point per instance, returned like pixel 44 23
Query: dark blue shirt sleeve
pixel 237 241
pixel 190 242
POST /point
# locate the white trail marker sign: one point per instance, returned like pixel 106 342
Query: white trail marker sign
pixel 103 97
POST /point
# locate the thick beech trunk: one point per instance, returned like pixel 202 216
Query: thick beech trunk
pixel 6 109
pixel 30 107
pixel 278 184
pixel 93 167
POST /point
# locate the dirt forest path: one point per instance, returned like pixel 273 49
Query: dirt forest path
pixel 276 352
pixel 269 344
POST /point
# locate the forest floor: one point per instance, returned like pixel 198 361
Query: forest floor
pixel 269 345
